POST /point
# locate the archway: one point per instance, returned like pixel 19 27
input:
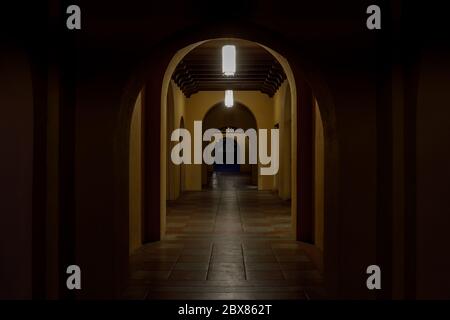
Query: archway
pixel 307 105
pixel 227 148
pixel 307 98
pixel 238 117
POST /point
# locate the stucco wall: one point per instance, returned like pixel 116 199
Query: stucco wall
pixel 319 187
pixel 282 118
pixel 175 177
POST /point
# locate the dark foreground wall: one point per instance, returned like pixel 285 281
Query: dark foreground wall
pixel 16 175
pixel 382 97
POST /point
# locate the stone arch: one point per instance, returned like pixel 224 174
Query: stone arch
pixel 237 104
pixel 307 78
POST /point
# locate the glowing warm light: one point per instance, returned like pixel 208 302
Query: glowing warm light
pixel 229 100
pixel 229 60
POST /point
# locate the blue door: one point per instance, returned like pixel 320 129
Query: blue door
pixel 224 148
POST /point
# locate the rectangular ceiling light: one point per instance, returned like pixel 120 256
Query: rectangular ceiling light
pixel 229 100
pixel 228 60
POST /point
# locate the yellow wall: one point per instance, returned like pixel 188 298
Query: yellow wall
pixel 135 172
pixel 318 177
pixel 277 109
pixel 286 161
pixel 293 101
pixel 170 168
pixel 198 105
pixel 293 94
pixel 163 150
pixel 282 117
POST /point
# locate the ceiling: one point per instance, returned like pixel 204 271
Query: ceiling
pixel 256 69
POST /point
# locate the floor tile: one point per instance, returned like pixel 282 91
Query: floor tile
pixel 264 275
pixel 252 266
pixel 150 275
pixel 229 241
pixel 226 275
pixel 187 275
pixel 194 258
pixel 192 266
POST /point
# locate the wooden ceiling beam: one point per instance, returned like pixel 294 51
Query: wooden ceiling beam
pixel 201 70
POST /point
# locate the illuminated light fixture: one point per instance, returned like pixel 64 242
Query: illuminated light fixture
pixel 229 100
pixel 229 60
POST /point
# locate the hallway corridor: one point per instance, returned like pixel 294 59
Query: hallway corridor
pixel 229 241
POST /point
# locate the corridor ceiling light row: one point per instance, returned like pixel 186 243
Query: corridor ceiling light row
pixel 202 69
pixel 229 99
pixel 229 60
pixel 229 69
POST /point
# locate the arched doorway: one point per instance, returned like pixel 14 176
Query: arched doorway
pixel 294 143
pixel 238 117
pixel 305 141
pixel 182 166
pixel 289 118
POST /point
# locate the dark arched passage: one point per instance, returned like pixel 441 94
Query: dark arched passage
pixel 153 73
pixel 237 117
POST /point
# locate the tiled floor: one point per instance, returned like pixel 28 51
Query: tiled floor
pixel 227 242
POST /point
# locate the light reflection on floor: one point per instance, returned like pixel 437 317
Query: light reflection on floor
pixel 229 241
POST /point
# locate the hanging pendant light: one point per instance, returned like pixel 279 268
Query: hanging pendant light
pixel 229 60
pixel 229 99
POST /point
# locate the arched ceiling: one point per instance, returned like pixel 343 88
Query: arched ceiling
pixel 256 69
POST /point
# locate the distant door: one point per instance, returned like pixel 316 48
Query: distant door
pixel 230 147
